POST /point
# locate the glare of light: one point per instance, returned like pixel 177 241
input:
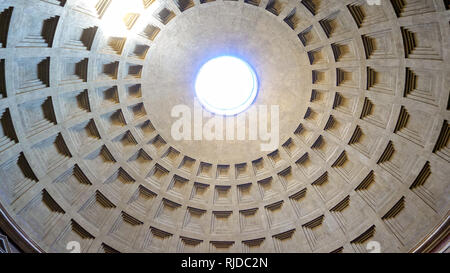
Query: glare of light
pixel 226 85
pixel 112 22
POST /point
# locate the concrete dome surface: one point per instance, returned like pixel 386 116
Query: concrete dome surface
pixel 88 90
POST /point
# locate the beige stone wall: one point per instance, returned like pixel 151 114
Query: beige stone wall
pixel 86 153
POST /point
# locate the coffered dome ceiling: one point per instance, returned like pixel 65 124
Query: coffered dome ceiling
pixel 86 152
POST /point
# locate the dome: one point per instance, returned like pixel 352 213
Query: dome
pixel 331 136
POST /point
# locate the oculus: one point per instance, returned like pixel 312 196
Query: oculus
pixel 226 85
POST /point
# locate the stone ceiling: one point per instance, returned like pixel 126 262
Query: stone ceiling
pixel 86 152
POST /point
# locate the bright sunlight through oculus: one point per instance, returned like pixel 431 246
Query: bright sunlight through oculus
pixel 226 85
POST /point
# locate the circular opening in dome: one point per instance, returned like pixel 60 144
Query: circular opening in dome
pixel 226 85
